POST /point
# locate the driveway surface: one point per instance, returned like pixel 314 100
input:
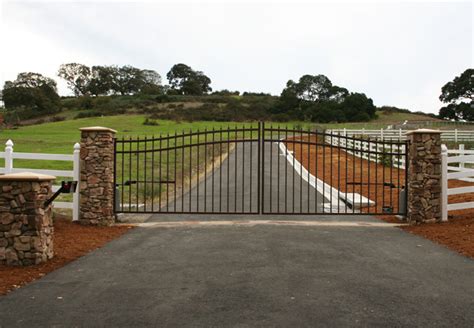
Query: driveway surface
pixel 246 276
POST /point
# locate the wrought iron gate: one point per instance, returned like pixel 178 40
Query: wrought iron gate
pixel 260 169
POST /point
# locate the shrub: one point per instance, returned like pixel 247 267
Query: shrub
pixel 150 121
pixel 91 113
pixel 57 119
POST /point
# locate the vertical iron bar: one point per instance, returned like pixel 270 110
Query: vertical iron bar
pixel 175 145
pixel 301 169
pixel 220 169
pixel 376 175
pixel 235 169
pixel 353 174
pixel 138 173
pixel 383 174
pixel 271 170
pixel 261 136
pixel 338 172
pixel 182 170
pixel 153 174
pixel 197 166
pixel 122 199
pixel 258 167
pixel 368 176
pixel 309 169
pixel 243 169
pixel 167 171
pixel 346 152
pixel 228 169
pixel 130 177
pixel 190 169
pixel 250 172
pixel 316 160
pixel 160 174
pixel 205 170
pixel 330 172
pixel 391 175
pixel 361 174
pixel 144 175
pixel 212 177
pixel 278 170
pixel 115 177
pixel 324 170
pixel 293 171
pixel 286 169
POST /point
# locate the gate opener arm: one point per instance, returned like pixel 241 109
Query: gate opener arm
pixel 385 184
pixel 67 187
pixel 130 182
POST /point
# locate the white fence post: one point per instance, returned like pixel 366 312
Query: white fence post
pixel 381 134
pixel 9 156
pixel 76 177
pixel 461 153
pixel 444 183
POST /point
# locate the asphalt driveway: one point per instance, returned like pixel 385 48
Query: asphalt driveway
pixel 245 275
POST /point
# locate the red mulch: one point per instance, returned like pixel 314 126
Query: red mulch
pixel 457 233
pixel 71 241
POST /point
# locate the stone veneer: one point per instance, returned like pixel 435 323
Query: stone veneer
pixel 26 228
pixel 424 176
pixel 97 176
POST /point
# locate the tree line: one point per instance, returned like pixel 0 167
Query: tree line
pixel 311 98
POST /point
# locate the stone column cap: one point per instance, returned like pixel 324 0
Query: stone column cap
pixel 429 131
pixel 97 129
pixel 26 176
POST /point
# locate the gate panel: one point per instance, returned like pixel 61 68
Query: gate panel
pixel 308 172
pixel 211 171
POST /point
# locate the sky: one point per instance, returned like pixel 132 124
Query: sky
pixel 397 53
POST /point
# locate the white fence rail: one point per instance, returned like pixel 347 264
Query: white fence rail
pixel 9 155
pixel 453 166
pixel 372 151
pixel 399 134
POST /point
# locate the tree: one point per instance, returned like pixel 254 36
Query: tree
pixel 151 82
pixel 77 76
pixel 313 88
pixel 184 80
pixel 358 107
pixel 458 94
pixel 31 91
pixel 101 81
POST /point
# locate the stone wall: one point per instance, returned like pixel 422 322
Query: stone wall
pixel 97 176
pixel 424 176
pixel 26 228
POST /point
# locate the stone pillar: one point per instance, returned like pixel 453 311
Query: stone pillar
pixel 97 176
pixel 26 227
pixel 424 176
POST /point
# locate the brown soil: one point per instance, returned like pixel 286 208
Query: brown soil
pixel 457 233
pixel 71 241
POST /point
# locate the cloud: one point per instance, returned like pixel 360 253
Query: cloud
pixel 397 53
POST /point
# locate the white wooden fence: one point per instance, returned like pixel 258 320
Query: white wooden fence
pixel 372 151
pixel 453 167
pixel 9 155
pixel 399 134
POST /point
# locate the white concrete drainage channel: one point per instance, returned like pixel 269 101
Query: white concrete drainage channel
pixel 251 223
